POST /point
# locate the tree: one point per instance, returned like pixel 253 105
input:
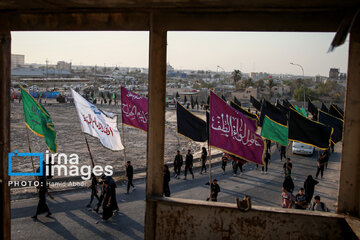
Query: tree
pixel 299 94
pixel 270 84
pixel 236 76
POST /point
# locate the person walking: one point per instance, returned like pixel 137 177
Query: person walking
pixel 268 145
pixel 189 164
pixel 309 186
pixel 282 153
pixel 107 210
pixel 203 160
pixel 266 161
pixel 178 162
pixel 166 181
pixel 130 175
pixel 287 167
pixel 237 164
pixel 224 160
pixel 42 207
pixel 320 165
pixel 94 190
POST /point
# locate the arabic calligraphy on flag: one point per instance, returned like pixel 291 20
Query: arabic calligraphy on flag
pixel 98 124
pixel 134 109
pixel 233 132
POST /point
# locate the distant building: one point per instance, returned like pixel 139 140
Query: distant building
pixel 334 73
pixel 62 65
pixel 245 95
pixel 17 60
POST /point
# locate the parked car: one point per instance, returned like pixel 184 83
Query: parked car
pixel 301 148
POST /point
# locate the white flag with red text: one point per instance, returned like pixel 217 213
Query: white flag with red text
pixel 96 123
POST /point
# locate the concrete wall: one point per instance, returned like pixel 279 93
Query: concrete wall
pixel 189 219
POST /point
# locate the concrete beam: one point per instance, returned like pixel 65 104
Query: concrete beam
pixel 349 186
pixel 156 127
pixel 5 63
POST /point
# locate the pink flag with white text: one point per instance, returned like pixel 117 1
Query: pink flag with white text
pixel 134 109
pixel 233 132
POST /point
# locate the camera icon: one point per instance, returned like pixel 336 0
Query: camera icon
pixel 16 154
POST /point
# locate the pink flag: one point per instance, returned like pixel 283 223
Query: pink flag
pixel 233 132
pixel 134 109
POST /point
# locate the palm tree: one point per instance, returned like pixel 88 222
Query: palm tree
pixel 236 76
pixel 270 84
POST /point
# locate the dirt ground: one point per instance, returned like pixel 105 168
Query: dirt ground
pixel 70 139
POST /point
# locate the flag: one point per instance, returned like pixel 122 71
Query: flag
pixel 190 125
pixel 303 112
pixel 273 113
pixel 339 109
pixel 302 129
pixel 298 109
pixel 281 107
pixel 274 131
pixel 38 120
pixel 312 109
pixel 287 104
pixel 334 122
pixel 335 112
pixel 324 108
pixel 134 109
pixel 223 98
pixel 234 133
pixel 98 124
pixel 177 95
pixel 255 103
pixel 243 111
pixel 237 101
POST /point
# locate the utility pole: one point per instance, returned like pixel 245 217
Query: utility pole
pixel 302 69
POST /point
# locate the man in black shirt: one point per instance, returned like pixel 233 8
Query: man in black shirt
pixel 93 188
pixel 300 200
pixel 130 175
pixel 287 167
pixel 282 153
pixel 189 163
pixel 178 162
pixel 203 160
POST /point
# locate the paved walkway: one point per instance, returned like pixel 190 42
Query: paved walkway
pixel 71 220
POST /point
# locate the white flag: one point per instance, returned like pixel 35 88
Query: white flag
pixel 97 124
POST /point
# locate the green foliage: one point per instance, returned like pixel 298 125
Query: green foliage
pixel 236 76
pixel 298 94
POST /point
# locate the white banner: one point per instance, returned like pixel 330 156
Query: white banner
pixel 97 124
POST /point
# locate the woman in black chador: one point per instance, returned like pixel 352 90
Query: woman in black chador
pixel 42 206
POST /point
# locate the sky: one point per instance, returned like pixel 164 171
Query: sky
pixel 269 52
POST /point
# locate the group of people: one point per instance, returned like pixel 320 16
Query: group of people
pixel 302 200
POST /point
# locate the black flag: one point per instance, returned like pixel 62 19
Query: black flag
pixel 339 109
pixel 177 95
pixel 223 98
pixel 335 112
pixel 273 113
pixel 255 103
pixel 304 130
pixel 243 111
pixel 287 104
pixel 281 107
pixel 237 101
pixel 190 125
pixel 324 108
pixel 312 108
pixel 334 122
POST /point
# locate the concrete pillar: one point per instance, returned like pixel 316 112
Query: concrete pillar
pixel 349 186
pixel 156 129
pixel 5 63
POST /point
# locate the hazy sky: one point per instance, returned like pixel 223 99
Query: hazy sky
pixel 246 51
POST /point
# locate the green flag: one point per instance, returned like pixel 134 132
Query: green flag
pixel 274 131
pixel 303 112
pixel 38 120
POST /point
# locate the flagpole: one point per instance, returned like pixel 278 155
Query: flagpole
pixel 32 161
pixel 123 138
pixel 88 147
pixel 209 149
pixel 28 140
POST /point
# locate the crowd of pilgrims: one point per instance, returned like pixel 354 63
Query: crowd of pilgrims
pixel 107 196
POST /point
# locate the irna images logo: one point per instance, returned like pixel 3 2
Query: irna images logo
pixel 61 165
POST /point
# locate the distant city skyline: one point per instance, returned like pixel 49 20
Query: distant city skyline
pixel 246 51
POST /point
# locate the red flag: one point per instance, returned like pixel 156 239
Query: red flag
pixel 233 132
pixel 134 109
